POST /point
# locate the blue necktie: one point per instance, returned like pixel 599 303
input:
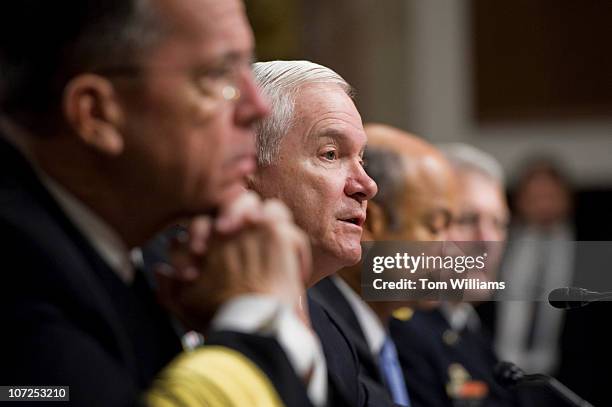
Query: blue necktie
pixel 392 373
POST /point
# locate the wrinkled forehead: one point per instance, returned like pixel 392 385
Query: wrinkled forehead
pixel 325 111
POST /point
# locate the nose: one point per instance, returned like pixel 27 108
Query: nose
pixel 252 106
pixel 359 185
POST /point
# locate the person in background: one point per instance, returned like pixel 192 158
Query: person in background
pixel 449 354
pixel 540 258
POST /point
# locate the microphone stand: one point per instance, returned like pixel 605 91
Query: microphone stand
pixel 575 297
pixel 508 374
pixel 557 387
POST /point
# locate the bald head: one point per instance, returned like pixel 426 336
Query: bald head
pixel 416 185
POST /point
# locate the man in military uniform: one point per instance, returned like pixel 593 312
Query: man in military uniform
pixel 447 357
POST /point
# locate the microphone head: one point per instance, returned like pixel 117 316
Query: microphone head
pixel 508 374
pixel 568 297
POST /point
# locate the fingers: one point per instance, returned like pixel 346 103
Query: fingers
pixel 301 245
pixel 187 248
pixel 290 258
pixel 249 209
pixel 245 209
pixel 253 247
pixel 304 252
pixel 291 241
pixel 276 211
pixel 184 264
pixel 253 255
pixel 199 232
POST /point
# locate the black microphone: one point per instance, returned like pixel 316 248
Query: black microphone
pixel 574 297
pixel 508 374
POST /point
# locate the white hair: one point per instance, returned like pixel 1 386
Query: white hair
pixel 465 157
pixel 280 82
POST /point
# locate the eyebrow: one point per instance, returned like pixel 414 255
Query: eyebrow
pixel 339 136
pixel 233 56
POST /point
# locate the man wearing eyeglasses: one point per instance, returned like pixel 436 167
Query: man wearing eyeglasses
pixel 118 117
pixel 446 352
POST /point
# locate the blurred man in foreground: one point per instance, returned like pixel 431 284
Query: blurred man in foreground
pixel 414 202
pixel 118 117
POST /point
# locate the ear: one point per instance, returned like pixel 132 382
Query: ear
pixel 375 226
pixel 93 113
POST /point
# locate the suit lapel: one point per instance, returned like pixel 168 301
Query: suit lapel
pixel 342 364
pixel 331 298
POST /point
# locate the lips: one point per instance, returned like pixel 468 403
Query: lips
pixel 356 219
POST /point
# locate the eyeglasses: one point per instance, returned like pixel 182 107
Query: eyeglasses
pixel 474 220
pixel 438 220
pixel 222 82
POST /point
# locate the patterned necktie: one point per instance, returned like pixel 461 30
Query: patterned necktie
pixel 392 373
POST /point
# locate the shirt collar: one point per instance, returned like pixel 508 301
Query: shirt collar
pixel 371 325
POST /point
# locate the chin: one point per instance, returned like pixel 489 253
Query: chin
pixel 351 256
pixel 230 193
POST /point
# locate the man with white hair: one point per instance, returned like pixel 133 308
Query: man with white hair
pixel 483 211
pixel 310 156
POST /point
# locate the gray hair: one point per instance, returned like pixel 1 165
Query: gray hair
pixel 124 37
pixel 77 36
pixel 280 82
pixel 465 157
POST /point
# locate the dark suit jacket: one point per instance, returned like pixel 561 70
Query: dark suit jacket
pixel 72 320
pixel 327 293
pixel 425 357
pixel 349 386
pixel 268 355
pixel 69 320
